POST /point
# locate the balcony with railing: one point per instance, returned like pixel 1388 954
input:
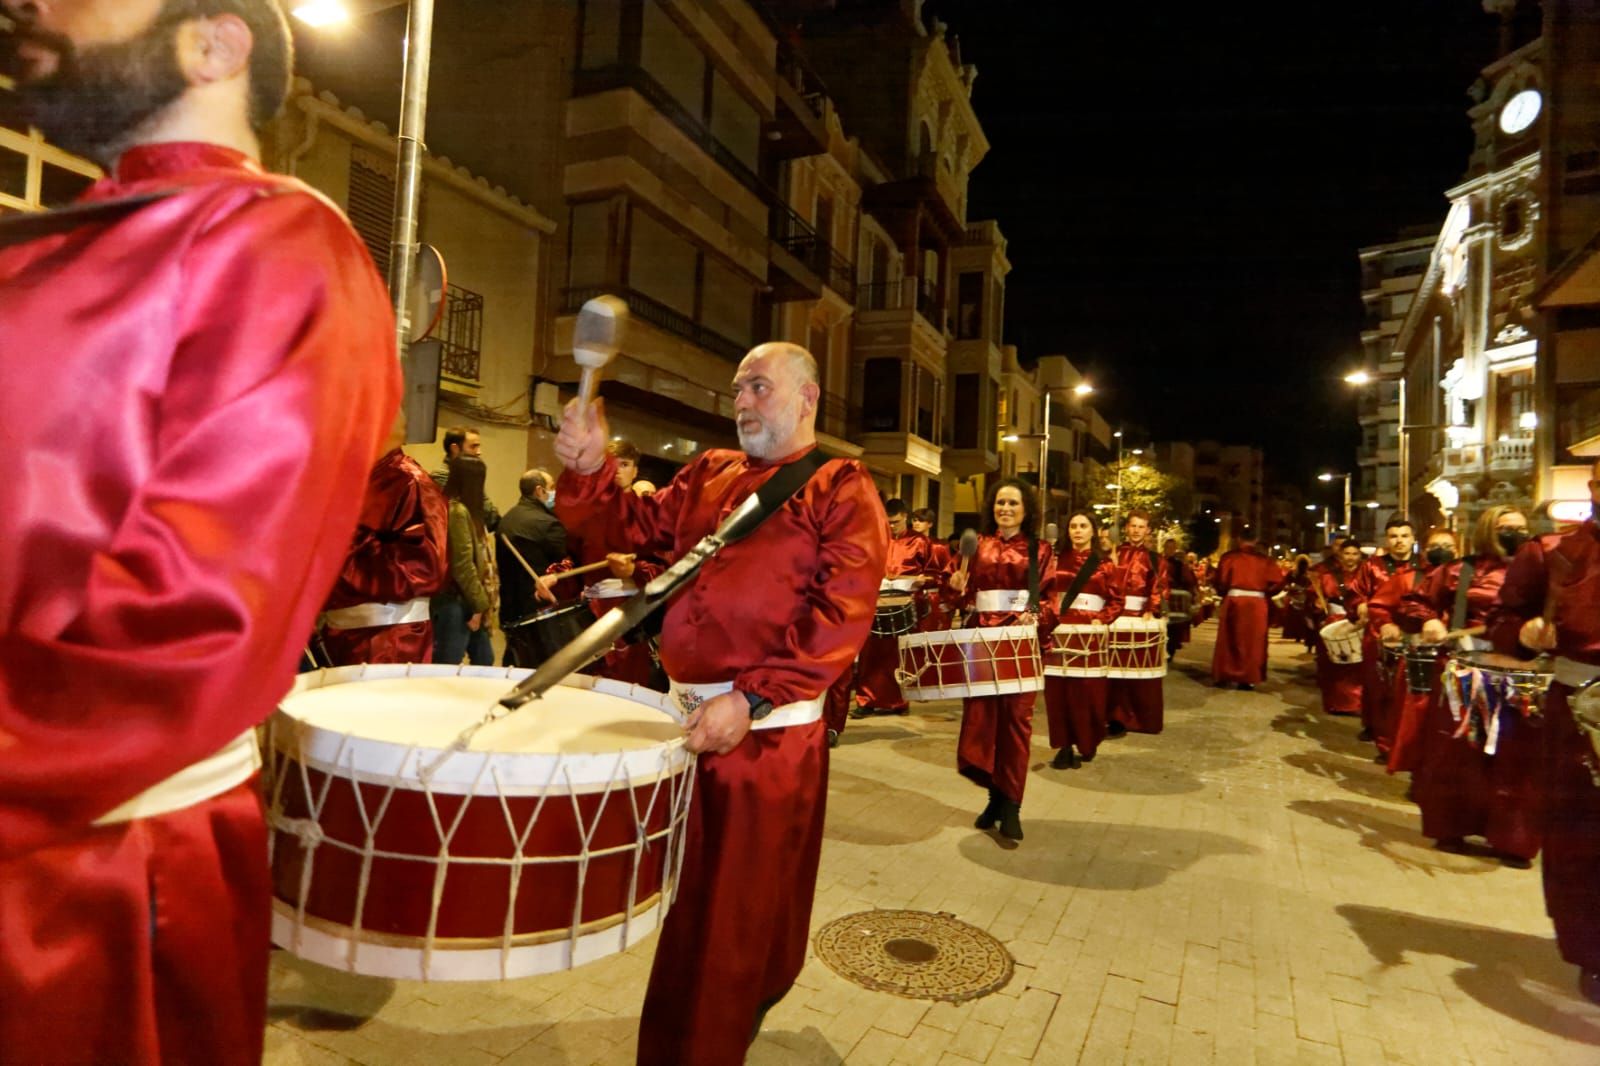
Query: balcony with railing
pixel 902 296
pixel 799 127
pixel 803 260
pixel 1511 455
pixel 659 315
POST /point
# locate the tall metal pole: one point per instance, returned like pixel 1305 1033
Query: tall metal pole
pixel 1116 511
pixel 1347 528
pixel 408 165
pixel 1405 458
pixel 1044 466
pixel 1327 524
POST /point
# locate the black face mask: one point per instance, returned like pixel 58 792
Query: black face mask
pixel 1511 539
pixel 1439 556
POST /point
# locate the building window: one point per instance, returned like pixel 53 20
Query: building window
pixel 461 334
pixel 370 204
pixel 602 27
pixel 35 174
pixel 1513 399
pixel 670 57
pixel 967 414
pixel 927 403
pixel 880 395
pixel 727 302
pixel 969 305
pixel 661 264
pixel 734 123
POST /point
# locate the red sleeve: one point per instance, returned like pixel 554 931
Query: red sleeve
pixel 1432 596
pixel 1521 598
pixel 400 550
pixel 644 523
pixel 283 385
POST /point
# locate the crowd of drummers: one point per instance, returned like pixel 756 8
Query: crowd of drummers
pixel 1003 614
pixel 1474 665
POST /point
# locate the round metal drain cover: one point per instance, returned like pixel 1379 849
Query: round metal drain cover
pixel 914 954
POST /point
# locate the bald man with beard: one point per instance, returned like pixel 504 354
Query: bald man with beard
pixel 750 648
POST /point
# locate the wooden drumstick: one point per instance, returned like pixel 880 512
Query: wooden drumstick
pixel 968 547
pixel 587 568
pixel 596 336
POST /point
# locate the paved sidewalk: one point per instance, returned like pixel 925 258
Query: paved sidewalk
pixel 1247 887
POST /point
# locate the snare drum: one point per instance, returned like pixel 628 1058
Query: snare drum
pixel 534 639
pixel 896 614
pixel 1392 661
pixel 1488 692
pixel 953 664
pixel 553 839
pixel 1136 648
pixel 1342 638
pixel 1076 651
pixel 1422 664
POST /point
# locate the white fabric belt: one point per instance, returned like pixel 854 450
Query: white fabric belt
pixel 992 601
pixel 195 783
pixel 367 615
pixel 1087 601
pixel 1575 675
pixel 1249 594
pixel 1133 603
pixel 804 712
pixel 1336 610
pixel 904 583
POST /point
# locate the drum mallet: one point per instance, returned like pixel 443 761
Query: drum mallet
pixel 968 547
pixel 595 338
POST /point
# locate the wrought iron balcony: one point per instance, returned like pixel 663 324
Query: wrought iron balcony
pixel 659 315
pixel 461 334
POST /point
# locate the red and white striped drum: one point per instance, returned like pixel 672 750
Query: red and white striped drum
pixel 1136 648
pixel 952 664
pixel 553 838
pixel 1077 651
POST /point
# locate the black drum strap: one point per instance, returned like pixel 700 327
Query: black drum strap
pixel 1085 572
pixel 1458 615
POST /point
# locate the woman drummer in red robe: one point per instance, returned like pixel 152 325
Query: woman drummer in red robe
pixel 1003 590
pixel 1463 792
pixel 1075 707
pixel 1336 598
pixel 1399 732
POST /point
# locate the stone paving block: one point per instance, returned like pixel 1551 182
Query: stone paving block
pixel 875 1048
pixel 923 1046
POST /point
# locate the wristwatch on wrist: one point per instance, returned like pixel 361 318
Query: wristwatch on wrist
pixel 760 706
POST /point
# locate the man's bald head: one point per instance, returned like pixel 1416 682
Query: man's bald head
pixel 775 396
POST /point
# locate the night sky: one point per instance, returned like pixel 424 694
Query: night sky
pixel 1185 187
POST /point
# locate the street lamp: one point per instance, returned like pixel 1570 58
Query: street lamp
pixel 1362 378
pixel 1330 477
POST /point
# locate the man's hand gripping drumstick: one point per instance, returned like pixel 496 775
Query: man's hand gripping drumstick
pixel 596 336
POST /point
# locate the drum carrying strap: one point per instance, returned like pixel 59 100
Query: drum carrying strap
pixel 1085 572
pixel 1458 615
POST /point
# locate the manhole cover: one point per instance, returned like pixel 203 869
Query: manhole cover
pixel 914 954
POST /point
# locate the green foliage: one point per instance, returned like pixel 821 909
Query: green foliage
pixel 1168 499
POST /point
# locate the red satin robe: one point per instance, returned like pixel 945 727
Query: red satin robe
pixel 1461 791
pixel 1075 707
pixel 1371 575
pixel 779 614
pixel 1139 703
pixel 399 553
pixel 910 554
pixel 1571 799
pixel 629 660
pixel 1340 682
pixel 1241 652
pixel 203 387
pixel 1397 728
pixel 935 612
pixel 996 731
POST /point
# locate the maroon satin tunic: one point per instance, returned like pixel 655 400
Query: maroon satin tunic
pixel 1075 707
pixel 195 393
pixel 400 553
pixel 1240 656
pixel 1140 578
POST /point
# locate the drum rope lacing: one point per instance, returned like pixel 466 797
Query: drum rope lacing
pixel 310 835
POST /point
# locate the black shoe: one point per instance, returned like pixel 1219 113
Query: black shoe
pixel 1516 862
pixel 862 712
pixel 1246 688
pixel 902 711
pixel 1382 758
pixel 1365 734
pixel 1116 729
pixel 1064 759
pixel 1086 757
pixel 1451 846
pixel 1589 985
pixel 833 738
pixel 1011 820
pixel 991 813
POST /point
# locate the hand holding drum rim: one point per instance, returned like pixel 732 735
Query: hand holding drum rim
pixel 718 725
pixel 1434 631
pixel 1537 635
pixel 581 443
pixel 1389 633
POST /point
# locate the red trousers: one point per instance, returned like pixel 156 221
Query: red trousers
pixel 409 643
pixel 836 702
pixel 736 938
pixel 1340 683
pixel 1137 702
pixel 144 942
pixel 1075 711
pixel 994 747
pixel 1571 863
pixel 1240 657
pixel 875 684
pixel 1463 792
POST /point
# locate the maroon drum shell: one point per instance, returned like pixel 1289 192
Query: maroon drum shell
pixel 399 898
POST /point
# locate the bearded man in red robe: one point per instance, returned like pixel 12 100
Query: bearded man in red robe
pixel 200 370
pixel 750 646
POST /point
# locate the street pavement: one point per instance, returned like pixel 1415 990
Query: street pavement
pixel 1247 887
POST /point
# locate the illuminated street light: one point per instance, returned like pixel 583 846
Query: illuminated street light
pixel 1373 505
pixel 1311 507
pixel 1011 438
pixel 1359 377
pixel 320 13
pixel 1083 388
pixel 1528 420
pixel 1115 488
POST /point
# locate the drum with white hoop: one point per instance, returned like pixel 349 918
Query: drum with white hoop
pixel 1076 651
pixel 953 664
pixel 1342 638
pixel 552 838
pixel 1490 694
pixel 1136 648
